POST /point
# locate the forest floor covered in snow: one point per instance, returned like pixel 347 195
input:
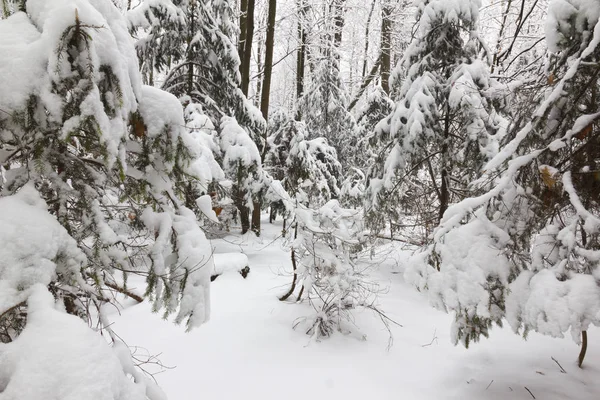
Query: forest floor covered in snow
pixel 248 349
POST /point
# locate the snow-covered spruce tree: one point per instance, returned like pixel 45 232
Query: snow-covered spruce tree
pixel 9 7
pixel 204 67
pixel 204 134
pixel 35 331
pixel 377 106
pixel 324 244
pixel 324 106
pixel 443 126
pixel 528 248
pixel 323 236
pixel 279 136
pixel 192 42
pixel 110 157
pixel 241 164
pixel 308 169
pixel 280 132
pixel 157 27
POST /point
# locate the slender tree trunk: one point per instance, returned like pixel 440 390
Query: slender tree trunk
pixel 367 29
pixel 444 195
pixel 247 54
pixel 239 199
pixel 256 208
pixel 300 294
pixel 301 55
pixel 295 267
pixel 501 35
pixel 190 36
pixel 338 19
pixel 151 75
pixel 268 69
pixel 243 211
pixel 264 97
pixel 259 67
pixel 244 218
pixel 584 342
pixel 242 38
pixel 386 44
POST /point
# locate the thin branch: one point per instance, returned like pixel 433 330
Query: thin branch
pixel 560 366
pixel 526 388
pixel 124 291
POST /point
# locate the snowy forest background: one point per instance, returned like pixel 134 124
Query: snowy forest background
pixel 354 160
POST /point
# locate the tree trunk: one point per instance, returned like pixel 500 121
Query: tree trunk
pixel 247 54
pixel 386 45
pixel 338 20
pixel 259 67
pixel 301 53
pixel 242 39
pixel 190 36
pixel 367 29
pixel 501 35
pixel 268 70
pixel 239 196
pixel 295 267
pixel 583 348
pixel 244 218
pixel 256 217
pixel 302 8
pixel 444 195
pixel 264 97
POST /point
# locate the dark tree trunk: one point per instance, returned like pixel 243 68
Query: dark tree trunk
pixel 256 217
pixel 444 195
pixel 386 45
pixel 242 39
pixel 247 54
pixel 239 199
pixel 367 29
pixel 584 342
pixel 338 19
pixel 190 36
pixel 244 218
pixel 268 69
pixel 301 55
pixel 264 97
pixel 294 267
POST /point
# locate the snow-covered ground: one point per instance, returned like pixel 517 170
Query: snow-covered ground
pixel 248 349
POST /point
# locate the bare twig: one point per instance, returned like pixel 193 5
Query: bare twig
pixel 560 366
pixel 526 388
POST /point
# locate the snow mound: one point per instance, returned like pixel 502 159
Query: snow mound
pixel 39 248
pixel 57 356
